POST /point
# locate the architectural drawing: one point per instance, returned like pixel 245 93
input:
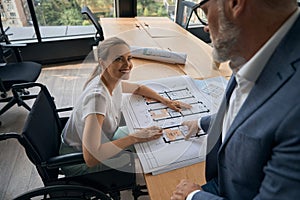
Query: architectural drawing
pixel 171 151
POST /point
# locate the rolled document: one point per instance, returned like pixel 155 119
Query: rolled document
pixel 156 54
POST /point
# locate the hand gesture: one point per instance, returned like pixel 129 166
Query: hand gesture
pixel 183 189
pixel 147 134
pixel 193 128
pixel 177 105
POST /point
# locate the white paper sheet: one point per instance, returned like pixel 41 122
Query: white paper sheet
pixel 171 151
pixel 156 54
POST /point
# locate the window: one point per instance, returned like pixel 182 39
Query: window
pixel 56 18
pixel 156 8
pixel 60 19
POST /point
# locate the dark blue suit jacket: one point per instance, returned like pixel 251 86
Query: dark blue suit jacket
pixel 260 156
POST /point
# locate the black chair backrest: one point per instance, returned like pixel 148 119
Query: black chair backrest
pixel 41 133
pixel 99 35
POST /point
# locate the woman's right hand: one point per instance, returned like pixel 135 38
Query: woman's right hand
pixel 147 134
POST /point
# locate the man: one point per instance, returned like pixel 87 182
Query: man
pixel 253 147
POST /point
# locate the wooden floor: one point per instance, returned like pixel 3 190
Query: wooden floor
pixel 17 174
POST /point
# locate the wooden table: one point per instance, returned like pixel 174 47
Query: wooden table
pixel 148 32
pixel 160 187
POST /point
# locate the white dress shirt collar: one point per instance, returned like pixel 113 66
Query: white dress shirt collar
pixel 252 69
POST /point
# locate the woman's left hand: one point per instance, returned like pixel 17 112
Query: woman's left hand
pixel 177 105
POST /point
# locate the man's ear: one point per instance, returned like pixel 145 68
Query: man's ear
pixel 236 7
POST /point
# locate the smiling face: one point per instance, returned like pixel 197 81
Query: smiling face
pixel 118 63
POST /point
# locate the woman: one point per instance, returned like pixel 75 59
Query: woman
pixel 93 127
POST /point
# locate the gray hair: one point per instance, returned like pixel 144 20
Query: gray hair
pixel 102 53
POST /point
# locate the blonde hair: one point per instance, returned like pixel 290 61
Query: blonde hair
pixel 102 53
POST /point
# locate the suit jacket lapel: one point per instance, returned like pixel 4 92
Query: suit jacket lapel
pixel 274 75
pixel 214 139
pixel 215 129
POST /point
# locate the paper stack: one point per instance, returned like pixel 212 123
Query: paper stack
pixel 157 54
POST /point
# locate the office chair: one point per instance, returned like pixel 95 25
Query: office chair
pixel 67 192
pixel 41 139
pixel 14 73
pixel 198 31
pixel 99 36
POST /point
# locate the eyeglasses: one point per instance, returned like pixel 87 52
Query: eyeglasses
pixel 203 2
pixel 200 13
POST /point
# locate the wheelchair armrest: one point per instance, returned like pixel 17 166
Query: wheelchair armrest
pixel 26 85
pixel 5 136
pixel 64 160
pixel 64 109
pixel 63 119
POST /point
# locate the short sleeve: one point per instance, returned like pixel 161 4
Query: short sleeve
pixel 94 103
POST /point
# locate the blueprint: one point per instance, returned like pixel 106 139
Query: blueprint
pixel 213 88
pixel 172 151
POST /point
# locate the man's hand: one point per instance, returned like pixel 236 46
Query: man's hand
pixel 183 189
pixel 193 128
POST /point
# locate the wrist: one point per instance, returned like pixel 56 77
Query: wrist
pixel 132 139
pixel 165 101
